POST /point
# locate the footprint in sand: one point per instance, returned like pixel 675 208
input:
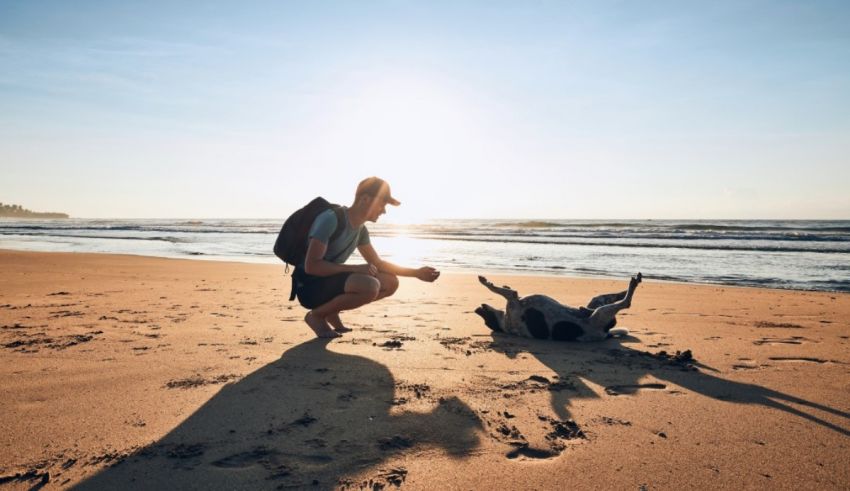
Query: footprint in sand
pixel 616 390
pixel 781 325
pixel 791 340
pixel 798 358
pixel 532 453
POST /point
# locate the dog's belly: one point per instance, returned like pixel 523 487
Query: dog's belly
pixel 541 317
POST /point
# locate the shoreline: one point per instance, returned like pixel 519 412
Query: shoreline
pixel 806 256
pixel 482 272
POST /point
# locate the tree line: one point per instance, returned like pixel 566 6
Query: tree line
pixel 18 211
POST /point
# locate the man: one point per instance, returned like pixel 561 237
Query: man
pixel 326 284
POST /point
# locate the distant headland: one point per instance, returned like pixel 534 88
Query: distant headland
pixel 17 211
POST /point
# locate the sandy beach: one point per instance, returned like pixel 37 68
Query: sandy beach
pixel 145 373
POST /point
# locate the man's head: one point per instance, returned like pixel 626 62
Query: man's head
pixel 374 193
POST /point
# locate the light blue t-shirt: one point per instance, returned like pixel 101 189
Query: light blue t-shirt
pixel 340 249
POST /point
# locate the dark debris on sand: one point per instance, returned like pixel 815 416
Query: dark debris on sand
pixel 614 421
pixel 396 442
pixel 57 343
pixel 536 383
pixel 109 458
pixel 392 477
pixel 268 459
pixel 683 360
pixel 35 478
pixel 510 431
pixel 391 344
pixel 305 420
pixel 780 325
pixel 563 430
pixel 185 451
pixel 469 347
pixel 419 390
pixel 16 325
pixel 199 381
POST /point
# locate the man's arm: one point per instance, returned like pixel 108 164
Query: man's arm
pixel 425 273
pixel 315 264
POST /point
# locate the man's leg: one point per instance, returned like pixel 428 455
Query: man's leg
pixel 336 323
pixel 320 326
pixel 360 289
pixel 389 285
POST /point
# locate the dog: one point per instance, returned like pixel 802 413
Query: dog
pixel 541 317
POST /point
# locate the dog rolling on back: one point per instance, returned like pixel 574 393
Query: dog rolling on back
pixel 541 317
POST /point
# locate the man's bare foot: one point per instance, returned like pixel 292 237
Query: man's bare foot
pixel 336 323
pixel 320 327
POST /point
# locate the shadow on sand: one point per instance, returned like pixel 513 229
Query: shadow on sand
pixel 309 419
pixel 621 369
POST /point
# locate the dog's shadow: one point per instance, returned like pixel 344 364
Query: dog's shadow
pixel 620 370
pixel 308 419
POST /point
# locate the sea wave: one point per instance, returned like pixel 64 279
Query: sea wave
pixel 174 240
pixel 731 246
pixel 529 224
pixel 584 234
pixel 807 255
pixel 141 228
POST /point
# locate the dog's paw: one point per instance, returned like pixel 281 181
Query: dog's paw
pixel 618 332
pixel 636 279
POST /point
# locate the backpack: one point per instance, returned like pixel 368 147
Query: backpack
pixel 291 243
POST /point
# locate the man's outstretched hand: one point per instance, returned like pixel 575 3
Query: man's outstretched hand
pixel 427 273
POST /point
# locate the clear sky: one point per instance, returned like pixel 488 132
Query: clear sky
pixel 524 109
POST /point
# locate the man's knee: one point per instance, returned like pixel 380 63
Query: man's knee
pixel 367 286
pixel 389 284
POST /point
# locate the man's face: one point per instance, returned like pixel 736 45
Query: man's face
pixel 377 207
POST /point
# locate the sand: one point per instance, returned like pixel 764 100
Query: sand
pixel 140 373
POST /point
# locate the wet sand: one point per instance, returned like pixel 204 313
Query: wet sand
pixel 139 373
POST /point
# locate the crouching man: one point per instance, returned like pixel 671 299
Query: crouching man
pixel 326 285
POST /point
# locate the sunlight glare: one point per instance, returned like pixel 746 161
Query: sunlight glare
pixel 420 136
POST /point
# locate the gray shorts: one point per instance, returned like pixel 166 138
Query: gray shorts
pixel 313 291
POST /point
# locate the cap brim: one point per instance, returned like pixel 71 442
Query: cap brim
pixel 392 201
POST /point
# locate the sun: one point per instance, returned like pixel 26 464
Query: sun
pixel 420 135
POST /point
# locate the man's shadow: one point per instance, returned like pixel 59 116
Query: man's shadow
pixel 620 370
pixel 310 418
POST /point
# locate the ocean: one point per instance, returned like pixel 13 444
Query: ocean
pixel 789 254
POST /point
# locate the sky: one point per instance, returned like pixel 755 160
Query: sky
pixel 525 109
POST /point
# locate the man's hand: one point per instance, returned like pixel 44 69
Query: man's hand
pixel 427 273
pixel 369 269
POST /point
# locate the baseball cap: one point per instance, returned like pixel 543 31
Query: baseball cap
pixel 378 187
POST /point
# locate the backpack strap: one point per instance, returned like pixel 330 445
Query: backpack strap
pixel 340 226
pixel 340 222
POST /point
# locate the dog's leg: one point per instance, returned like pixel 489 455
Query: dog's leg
pixel 604 317
pixel 503 291
pixel 606 299
pixel 494 319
